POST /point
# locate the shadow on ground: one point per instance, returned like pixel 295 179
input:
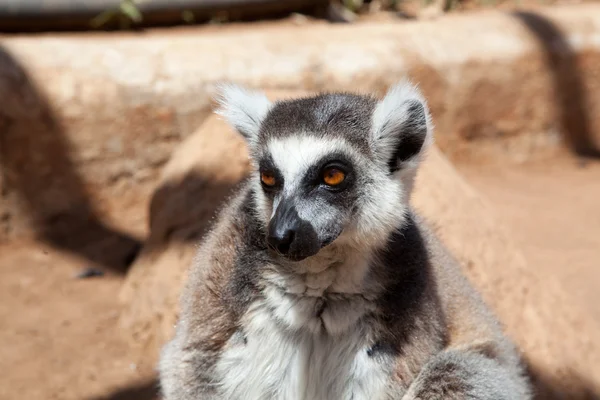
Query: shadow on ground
pixel 144 391
pixel 36 166
pixel 569 87
pixel 548 388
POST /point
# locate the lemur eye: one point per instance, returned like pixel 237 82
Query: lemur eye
pixel 267 178
pixel 333 176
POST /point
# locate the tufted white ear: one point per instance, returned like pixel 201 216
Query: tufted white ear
pixel 243 109
pixel 402 127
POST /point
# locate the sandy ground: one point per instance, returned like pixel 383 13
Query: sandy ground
pixel 59 335
pixel 552 209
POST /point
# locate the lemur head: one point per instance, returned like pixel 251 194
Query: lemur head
pixel 331 168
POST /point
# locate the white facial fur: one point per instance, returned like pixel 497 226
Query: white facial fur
pixel 244 109
pixel 293 156
pixel 380 208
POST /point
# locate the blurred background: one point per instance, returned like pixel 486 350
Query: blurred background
pixel 112 165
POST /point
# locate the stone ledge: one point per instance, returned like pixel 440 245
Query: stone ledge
pixel 112 107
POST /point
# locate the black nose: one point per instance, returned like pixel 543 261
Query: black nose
pixel 291 236
pixel 282 239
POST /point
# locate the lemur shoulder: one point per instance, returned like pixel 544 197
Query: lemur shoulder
pixel 319 281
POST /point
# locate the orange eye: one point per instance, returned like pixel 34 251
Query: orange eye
pixel 333 176
pixel 267 178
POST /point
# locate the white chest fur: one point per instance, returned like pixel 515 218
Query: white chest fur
pixel 302 343
pixel 278 364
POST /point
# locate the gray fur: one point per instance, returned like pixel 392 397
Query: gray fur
pixel 381 311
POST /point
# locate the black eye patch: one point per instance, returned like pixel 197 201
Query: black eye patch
pixel 314 176
pixel 267 165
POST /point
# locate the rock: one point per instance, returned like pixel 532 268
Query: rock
pixel 196 180
pixel 555 336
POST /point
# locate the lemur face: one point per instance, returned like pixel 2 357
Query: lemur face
pixel 333 168
pixel 309 188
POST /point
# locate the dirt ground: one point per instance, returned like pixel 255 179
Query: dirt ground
pixel 552 209
pixel 59 334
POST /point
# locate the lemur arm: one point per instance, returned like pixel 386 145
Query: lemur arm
pixel 457 374
pixel 186 373
pixel 187 363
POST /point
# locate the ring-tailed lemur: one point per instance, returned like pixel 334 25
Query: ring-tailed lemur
pixel 319 282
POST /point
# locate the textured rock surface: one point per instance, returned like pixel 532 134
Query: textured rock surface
pixel 557 337
pixel 197 179
pixel 87 122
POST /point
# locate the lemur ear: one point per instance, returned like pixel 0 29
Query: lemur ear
pixel 243 109
pixel 402 127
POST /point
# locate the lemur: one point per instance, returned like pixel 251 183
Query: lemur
pixel 318 280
